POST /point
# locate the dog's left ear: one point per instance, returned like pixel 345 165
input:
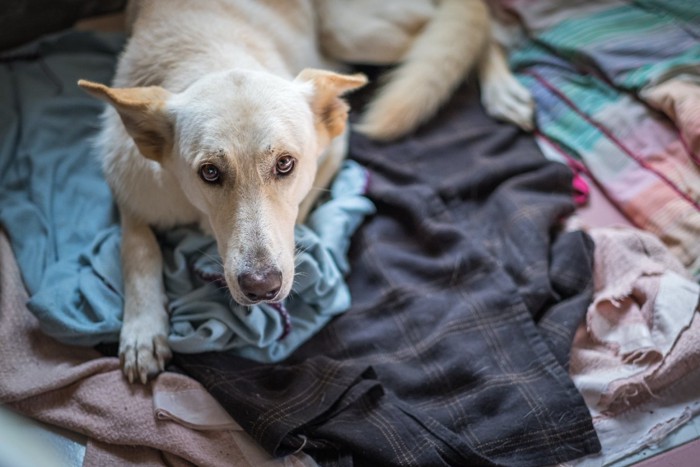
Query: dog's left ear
pixel 143 112
pixel 330 110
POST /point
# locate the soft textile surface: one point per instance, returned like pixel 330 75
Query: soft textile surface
pixel 466 296
pixel 600 72
pixel 465 300
pixel 77 389
pixel 640 339
pixel 58 210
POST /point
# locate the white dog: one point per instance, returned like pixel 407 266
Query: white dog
pixel 222 114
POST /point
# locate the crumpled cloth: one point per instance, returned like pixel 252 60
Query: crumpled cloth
pixel 605 75
pixel 639 344
pixel 60 216
pixel 171 421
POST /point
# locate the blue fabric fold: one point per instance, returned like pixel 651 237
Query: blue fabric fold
pixel 60 216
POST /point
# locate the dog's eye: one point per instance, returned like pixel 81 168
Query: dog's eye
pixel 209 173
pixel 285 165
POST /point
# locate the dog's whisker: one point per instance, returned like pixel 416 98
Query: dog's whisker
pixel 232 304
pixel 216 259
pixel 300 274
pixel 298 258
pixel 293 294
pixel 300 250
pixel 297 262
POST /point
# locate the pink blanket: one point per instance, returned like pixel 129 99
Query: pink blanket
pixel 636 356
pixel 78 389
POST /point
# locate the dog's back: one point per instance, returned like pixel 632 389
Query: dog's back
pixel 174 42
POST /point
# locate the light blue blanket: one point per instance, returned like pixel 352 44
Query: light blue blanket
pixel 59 214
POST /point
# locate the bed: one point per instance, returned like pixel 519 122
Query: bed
pixel 496 316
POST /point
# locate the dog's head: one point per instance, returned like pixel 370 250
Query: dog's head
pixel 244 147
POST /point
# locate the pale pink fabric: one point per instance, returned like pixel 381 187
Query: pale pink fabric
pixel 643 309
pixel 639 347
pixel 192 408
pixel 679 98
pixel 78 389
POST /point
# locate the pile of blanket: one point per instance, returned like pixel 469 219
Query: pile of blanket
pixel 446 316
pixel 617 90
pixel 465 294
pixel 617 87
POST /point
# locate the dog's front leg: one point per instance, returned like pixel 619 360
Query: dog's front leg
pixel 143 347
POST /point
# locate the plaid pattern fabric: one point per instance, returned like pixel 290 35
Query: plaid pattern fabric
pixel 594 69
pixel 465 302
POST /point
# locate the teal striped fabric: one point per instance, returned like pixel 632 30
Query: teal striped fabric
pixel 616 85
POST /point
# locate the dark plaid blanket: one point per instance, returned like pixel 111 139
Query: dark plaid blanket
pixel 466 296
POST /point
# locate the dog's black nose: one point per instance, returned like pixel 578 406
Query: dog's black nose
pixel 260 285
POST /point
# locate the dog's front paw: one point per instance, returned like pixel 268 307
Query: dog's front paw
pixel 506 99
pixel 143 351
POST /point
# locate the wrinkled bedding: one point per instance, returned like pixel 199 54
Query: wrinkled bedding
pixel 466 295
pixel 466 291
pixel 617 87
pixel 635 356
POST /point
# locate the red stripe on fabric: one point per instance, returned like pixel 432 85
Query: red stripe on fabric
pixel 687 148
pixel 577 165
pixel 581 190
pixel 611 136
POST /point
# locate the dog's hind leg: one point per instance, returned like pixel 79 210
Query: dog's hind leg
pixel 502 95
pixel 143 347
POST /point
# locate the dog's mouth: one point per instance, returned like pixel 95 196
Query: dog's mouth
pixel 250 302
pixel 277 305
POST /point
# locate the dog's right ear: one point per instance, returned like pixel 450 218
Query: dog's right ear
pixel 328 88
pixel 142 111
